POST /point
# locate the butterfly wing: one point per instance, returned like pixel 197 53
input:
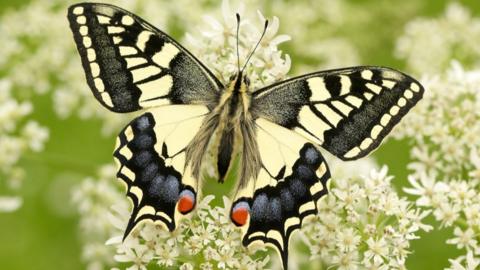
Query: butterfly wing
pixel 347 111
pixel 292 179
pixel 150 154
pixel 130 65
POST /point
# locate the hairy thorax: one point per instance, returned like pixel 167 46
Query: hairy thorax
pixel 226 139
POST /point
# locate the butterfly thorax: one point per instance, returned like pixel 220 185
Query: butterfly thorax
pixel 222 136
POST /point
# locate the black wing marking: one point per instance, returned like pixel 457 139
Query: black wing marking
pixel 292 180
pixel 130 64
pixel 150 155
pixel 347 111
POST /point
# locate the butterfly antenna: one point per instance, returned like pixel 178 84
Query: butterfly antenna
pixel 258 43
pixel 238 54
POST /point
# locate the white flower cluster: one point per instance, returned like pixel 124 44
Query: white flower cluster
pixel 444 125
pixel 446 157
pixel 428 45
pixel 364 224
pixel 94 198
pixel 217 47
pixel 205 240
pixel 456 204
pixel 18 136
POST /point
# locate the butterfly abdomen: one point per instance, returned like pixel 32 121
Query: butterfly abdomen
pixel 225 152
pixel 222 136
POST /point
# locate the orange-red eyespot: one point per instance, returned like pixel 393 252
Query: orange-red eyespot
pixel 240 213
pixel 186 202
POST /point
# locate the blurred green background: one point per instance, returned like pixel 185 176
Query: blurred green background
pixel 43 233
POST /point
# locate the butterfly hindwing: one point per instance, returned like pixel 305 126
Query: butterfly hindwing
pixel 130 65
pixel 150 154
pixel 347 111
pixel 293 178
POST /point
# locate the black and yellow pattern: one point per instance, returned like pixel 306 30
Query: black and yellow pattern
pixel 151 159
pixel 130 65
pixel 347 111
pixel 194 124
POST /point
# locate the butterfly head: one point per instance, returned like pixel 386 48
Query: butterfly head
pixel 239 79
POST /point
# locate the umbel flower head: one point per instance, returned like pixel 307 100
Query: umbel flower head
pixel 207 239
pixel 445 157
pixel 364 224
pixel 216 45
pixel 428 45
pixel 445 166
pixel 18 137
pixel 445 125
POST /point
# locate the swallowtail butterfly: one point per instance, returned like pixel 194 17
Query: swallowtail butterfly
pixel 192 121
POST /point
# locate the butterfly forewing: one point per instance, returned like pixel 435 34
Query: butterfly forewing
pixel 347 111
pixel 130 65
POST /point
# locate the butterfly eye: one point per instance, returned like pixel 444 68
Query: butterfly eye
pixel 232 77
